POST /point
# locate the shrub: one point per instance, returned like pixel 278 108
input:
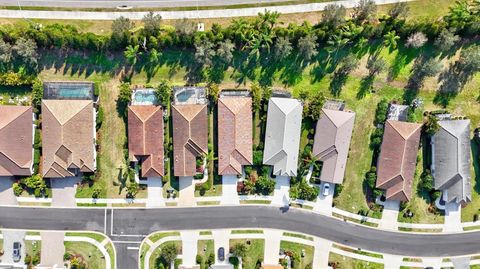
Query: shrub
pixel 132 189
pixel 234 261
pixel 199 259
pixel 67 256
pixel 17 189
pixel 257 157
pixel 28 259
pixel 100 117
pixel 381 112
pixel 37 193
pixel 211 259
pixel 264 185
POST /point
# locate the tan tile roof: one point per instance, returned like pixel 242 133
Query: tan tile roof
pixel 190 137
pixel 398 158
pixel 332 141
pixel 68 128
pixel 234 134
pixel 16 140
pixel 145 138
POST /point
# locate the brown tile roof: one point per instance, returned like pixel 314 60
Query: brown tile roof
pixel 332 142
pixel 234 134
pixel 68 135
pixel 190 137
pixel 398 158
pixel 145 138
pixel 16 140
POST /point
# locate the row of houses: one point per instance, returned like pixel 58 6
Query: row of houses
pixel 450 159
pixel 235 139
pixel 68 139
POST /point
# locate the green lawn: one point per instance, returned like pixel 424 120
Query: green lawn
pixel 87 253
pixel 32 249
pixel 156 253
pixel 205 249
pixel 343 262
pixel 255 251
pixel 98 237
pixel 297 248
pixel 157 236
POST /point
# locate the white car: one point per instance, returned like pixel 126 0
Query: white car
pixel 326 189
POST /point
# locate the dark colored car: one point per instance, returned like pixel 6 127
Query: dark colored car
pixel 221 254
pixel 16 251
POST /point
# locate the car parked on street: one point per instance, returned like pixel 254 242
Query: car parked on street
pixel 16 251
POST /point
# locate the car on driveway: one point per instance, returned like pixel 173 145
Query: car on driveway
pixel 221 254
pixel 326 189
pixel 16 251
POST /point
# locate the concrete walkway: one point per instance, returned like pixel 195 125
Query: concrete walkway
pixel 63 191
pixel 189 247
pixel 53 249
pixel 435 263
pixel 155 192
pixel 453 218
pixel 321 253
pixel 191 14
pixel 186 196
pixel 221 238
pixel 272 246
pixel 323 204
pixel 229 191
pixel 281 195
pixel 389 219
pixel 392 261
pixel 7 197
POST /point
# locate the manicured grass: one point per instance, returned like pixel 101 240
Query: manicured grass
pixel 205 249
pixel 97 237
pixel 247 231
pixel 86 252
pixel 111 253
pixel 255 251
pixel 297 248
pixel 32 249
pixel 298 236
pixel 350 263
pixel 156 253
pixel 157 236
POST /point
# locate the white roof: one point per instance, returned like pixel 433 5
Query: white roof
pixel 282 138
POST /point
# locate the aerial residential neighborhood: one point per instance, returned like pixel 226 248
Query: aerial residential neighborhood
pixel 240 134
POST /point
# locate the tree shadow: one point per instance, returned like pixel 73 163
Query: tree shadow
pixel 122 180
pixel 366 86
pixel 475 147
pixel 404 57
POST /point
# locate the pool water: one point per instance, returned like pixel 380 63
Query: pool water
pixel 144 97
pixel 74 92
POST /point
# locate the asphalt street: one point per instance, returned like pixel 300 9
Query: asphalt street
pixel 129 3
pixel 127 227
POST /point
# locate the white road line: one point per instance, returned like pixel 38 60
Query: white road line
pixel 127 242
pixel 111 223
pixel 105 222
pixel 133 248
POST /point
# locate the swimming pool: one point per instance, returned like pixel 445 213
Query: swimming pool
pixel 144 97
pixel 68 90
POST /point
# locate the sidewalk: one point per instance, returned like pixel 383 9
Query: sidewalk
pixel 175 15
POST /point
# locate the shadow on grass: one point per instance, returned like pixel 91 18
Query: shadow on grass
pixel 475 146
pixel 366 86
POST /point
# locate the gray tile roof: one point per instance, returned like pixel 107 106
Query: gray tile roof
pixel 451 160
pixel 282 138
pixel 332 141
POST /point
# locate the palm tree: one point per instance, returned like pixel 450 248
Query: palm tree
pixel 269 17
pixel 390 40
pixel 154 57
pixel 337 42
pixel 131 53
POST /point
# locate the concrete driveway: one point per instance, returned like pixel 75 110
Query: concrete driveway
pixel 189 247
pixel 281 195
pixel 6 192
pixel 323 204
pixel 221 238
pixel 186 195
pixel 64 190
pixel 155 192
pixel 453 218
pixel 9 237
pixel 390 215
pixel 53 249
pixel 229 191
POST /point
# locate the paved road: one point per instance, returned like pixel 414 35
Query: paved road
pixel 130 3
pixel 127 227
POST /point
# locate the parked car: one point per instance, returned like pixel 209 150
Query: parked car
pixel 16 251
pixel 326 189
pixel 221 254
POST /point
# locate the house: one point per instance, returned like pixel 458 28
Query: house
pixel 16 140
pixel 68 132
pixel 234 134
pixel 398 159
pixel 282 136
pixel 451 160
pixel 190 129
pixel 145 139
pixel 331 144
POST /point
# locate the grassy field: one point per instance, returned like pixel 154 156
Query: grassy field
pixel 86 252
pixel 205 249
pixel 255 251
pixel 343 262
pixel 33 248
pixel 157 236
pixel 297 248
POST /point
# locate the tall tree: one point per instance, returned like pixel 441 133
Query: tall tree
pixel 282 48
pixel 164 93
pixel 5 53
pixel 365 11
pixel 334 15
pixel 446 40
pixel 307 47
pixel 26 51
pixel 151 23
pixel 121 28
pixel 132 54
pixel 416 40
pixel 423 68
pixel 225 51
pixel 204 52
pixel 375 65
pixel 390 39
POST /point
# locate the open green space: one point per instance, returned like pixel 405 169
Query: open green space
pixel 157 236
pixel 156 257
pixel 86 253
pixel 98 237
pixel 254 252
